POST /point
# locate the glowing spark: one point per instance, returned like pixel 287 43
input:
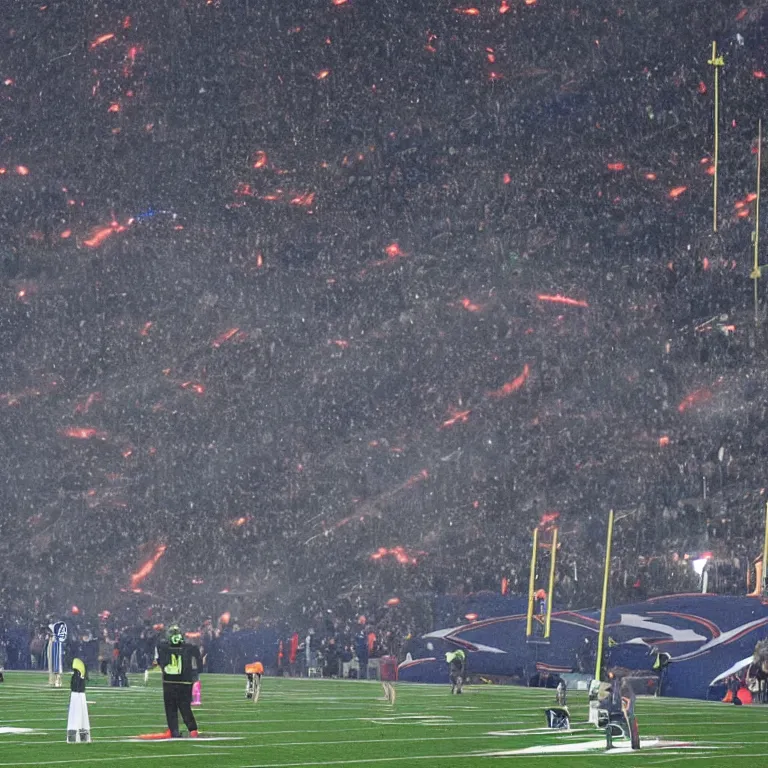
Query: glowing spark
pixel 663 441
pixel 66 234
pixel 547 518
pixel 146 569
pixel 22 170
pixel 145 330
pixel 94 397
pixel 82 433
pixel 469 306
pixel 695 398
pixel 530 2
pixel 650 176
pixel 616 166
pixel 225 617
pixel 226 336
pixel 240 521
pixel 471 616
pixel 675 192
pixel 322 74
pixel 114 108
pixel 741 14
pixel 194 386
pixel 101 39
pixel 304 200
pixel 506 178
pixel 102 233
pixel 759 74
pixel 399 553
pixel 339 2
pixel 456 417
pixel 504 7
pixel 512 386
pixel 260 160
pixel 343 343
pixel 558 299
pixel 393 601
pixel 411 481
pixel 467 11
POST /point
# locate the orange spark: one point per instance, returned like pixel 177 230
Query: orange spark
pixel 675 192
pixel 82 433
pixel 114 108
pixel 399 553
pixel 750 197
pixel 759 74
pixel 305 200
pixel 101 39
pixel 260 159
pixel 240 521
pixel 194 386
pixel 504 7
pixel 530 2
pixel 393 250
pixel 741 14
pixel 663 441
pixel 456 417
pixel 650 176
pixel 705 263
pixel 506 178
pixel 695 398
pixel 616 166
pixel 558 299
pixel 469 306
pixel 393 601
pixel 226 336
pixel 411 481
pixel 94 397
pixel 225 617
pixel 145 330
pixel 547 518
pixel 259 260
pixel 102 233
pixel 22 170
pixel 322 74
pixel 512 386
pixel 67 233
pixel 467 11
pixel 343 343
pixel 338 2
pixel 146 569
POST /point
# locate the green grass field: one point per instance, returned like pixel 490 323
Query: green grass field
pixel 327 723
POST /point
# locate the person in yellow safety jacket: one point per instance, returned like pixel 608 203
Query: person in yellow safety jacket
pixel 457 669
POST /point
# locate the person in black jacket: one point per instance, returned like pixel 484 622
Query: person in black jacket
pixel 180 664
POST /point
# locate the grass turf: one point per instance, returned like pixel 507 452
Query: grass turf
pixel 338 723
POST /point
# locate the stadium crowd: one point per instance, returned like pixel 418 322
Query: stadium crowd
pixel 500 306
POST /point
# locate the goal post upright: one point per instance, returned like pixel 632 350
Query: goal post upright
pixel 532 584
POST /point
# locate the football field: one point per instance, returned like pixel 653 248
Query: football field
pixel 299 723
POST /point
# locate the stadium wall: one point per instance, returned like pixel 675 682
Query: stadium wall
pixel 706 635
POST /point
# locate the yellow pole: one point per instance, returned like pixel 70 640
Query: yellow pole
pixel 717 62
pixel 551 592
pixel 532 583
pixel 765 556
pixel 606 574
pixel 756 271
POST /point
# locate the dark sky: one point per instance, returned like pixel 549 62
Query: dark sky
pixel 286 283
